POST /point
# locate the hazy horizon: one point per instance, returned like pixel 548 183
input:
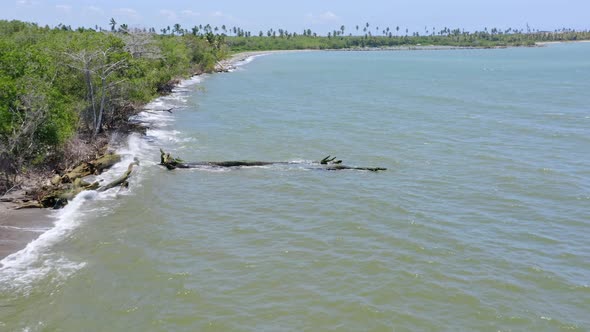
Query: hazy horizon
pixel 321 17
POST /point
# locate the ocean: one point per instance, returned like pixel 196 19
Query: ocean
pixel 481 221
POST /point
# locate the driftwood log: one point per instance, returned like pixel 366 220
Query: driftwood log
pixel 88 168
pixel 61 189
pixel 328 163
pixel 122 180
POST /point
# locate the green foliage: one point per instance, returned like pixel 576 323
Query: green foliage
pixel 446 37
pixel 55 82
pixel 45 88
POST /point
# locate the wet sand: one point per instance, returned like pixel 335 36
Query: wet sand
pixel 233 60
pixel 19 227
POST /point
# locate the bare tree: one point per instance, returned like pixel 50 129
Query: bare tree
pixel 97 70
pixel 19 145
pixel 141 44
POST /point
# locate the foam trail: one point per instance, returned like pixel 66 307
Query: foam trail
pixel 35 261
pixel 249 59
pixel 24 229
pixel 19 271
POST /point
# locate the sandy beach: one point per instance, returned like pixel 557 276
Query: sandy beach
pixel 19 227
pixel 231 62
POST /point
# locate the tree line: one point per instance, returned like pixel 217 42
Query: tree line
pixel 59 85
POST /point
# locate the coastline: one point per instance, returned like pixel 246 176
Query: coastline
pixel 19 227
pixel 235 59
pixel 561 42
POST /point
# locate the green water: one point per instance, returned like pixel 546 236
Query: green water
pixel 480 223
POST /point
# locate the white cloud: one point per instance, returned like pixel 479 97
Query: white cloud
pixel 64 8
pixel 189 13
pixel 328 16
pixel 219 15
pixel 95 10
pixel 325 17
pixel 128 13
pixel 169 14
pixel 27 3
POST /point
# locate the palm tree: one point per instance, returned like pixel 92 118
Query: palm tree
pixel 177 28
pixel 342 29
pixel 113 24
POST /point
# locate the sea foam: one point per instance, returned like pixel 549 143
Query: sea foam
pixel 19 271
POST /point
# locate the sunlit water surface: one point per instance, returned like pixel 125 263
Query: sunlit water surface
pixel 480 223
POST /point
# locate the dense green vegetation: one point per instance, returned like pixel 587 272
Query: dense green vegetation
pixel 368 37
pixel 483 40
pixel 60 84
pixel 56 84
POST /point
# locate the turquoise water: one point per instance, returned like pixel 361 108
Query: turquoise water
pixel 480 223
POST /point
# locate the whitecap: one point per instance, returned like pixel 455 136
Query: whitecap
pixel 19 271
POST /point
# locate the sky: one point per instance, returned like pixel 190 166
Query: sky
pixel 319 15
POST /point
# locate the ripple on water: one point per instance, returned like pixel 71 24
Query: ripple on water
pixel 479 223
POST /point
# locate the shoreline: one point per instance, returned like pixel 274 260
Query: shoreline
pixel 235 59
pixel 561 42
pixel 19 227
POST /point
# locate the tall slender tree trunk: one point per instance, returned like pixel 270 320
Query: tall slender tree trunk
pixel 90 93
pixel 101 110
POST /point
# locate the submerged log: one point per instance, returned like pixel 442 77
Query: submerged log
pixel 233 163
pixel 171 163
pixel 336 165
pixel 342 167
pixel 331 164
pixel 327 161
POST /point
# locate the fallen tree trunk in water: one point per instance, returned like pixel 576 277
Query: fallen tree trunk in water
pixel 59 196
pixel 122 180
pixel 341 167
pixel 331 164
